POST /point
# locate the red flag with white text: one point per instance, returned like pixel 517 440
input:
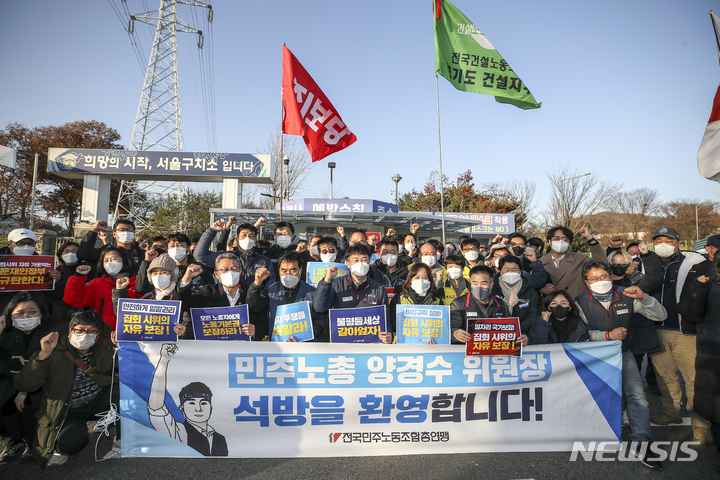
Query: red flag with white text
pixel 309 113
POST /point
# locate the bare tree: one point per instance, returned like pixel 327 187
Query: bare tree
pixel 693 219
pixel 524 191
pixel 293 178
pixel 575 197
pixel 634 207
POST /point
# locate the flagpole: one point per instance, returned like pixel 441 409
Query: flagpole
pixel 442 195
pixel 715 29
pixel 282 137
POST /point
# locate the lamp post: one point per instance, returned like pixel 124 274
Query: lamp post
pixel 331 165
pixel 286 161
pixel 396 178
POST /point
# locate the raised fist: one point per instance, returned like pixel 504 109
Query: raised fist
pixel 99 226
pixel 83 269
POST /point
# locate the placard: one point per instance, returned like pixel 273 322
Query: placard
pixel 20 273
pixel 293 320
pixel 357 325
pixel 316 271
pixel 421 323
pixel 220 323
pixel 141 320
pixel 494 336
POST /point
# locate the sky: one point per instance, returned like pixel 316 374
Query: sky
pixel 626 87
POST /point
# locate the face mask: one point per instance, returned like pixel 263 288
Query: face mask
pixel 634 256
pixel 619 269
pixel 400 248
pixel 454 273
pixel 511 278
pixel 360 269
pixel 421 286
pixel 160 251
pixel 289 281
pixel 230 279
pixel 389 260
pixel 24 250
pixel 328 257
pixel 559 246
pixel 560 311
pixel 113 268
pixel 125 237
pixel 438 256
pixel 409 246
pixel 601 287
pixel 82 341
pixel 480 293
pixel 449 251
pixel 664 250
pixel 429 260
pixel 246 243
pixel 70 258
pixel 283 241
pixel 161 281
pixel 177 253
pixel 471 255
pixel 314 250
pixel 26 324
pixel 497 263
pixel 517 251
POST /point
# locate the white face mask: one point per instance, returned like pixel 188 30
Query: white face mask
pixel 283 241
pixel 511 278
pixel 454 273
pixel 70 258
pixel 230 279
pixel 389 259
pixel 24 250
pixel 125 237
pixel 161 281
pixel 559 246
pixel 438 256
pixel 601 287
pixel 26 324
pixel 289 281
pixel 471 255
pixel 178 253
pixel 421 286
pixel 113 268
pixel 409 246
pixel 328 257
pixel 360 269
pixel 664 250
pixel 82 341
pixel 246 243
pixel 497 263
pixel 429 260
pixel 400 248
pixel 314 250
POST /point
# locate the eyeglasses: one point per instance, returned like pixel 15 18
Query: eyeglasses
pixel 326 251
pixel 125 230
pixel 598 279
pixel 561 239
pixel 225 270
pixel 90 331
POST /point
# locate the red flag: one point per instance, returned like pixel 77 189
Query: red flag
pixel 309 113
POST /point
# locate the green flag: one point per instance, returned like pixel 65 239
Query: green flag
pixel 467 59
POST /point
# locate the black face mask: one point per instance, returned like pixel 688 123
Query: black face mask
pixel 559 311
pixel 517 250
pixel 619 269
pixel 449 251
pixel 160 251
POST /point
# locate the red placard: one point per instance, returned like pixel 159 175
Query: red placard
pixel 377 236
pixel 390 292
pixel 26 272
pixel 494 336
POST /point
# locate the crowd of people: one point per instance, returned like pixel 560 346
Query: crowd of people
pixel 57 348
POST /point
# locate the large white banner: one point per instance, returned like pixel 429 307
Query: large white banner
pixel 259 399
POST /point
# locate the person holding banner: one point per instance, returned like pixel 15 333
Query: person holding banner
pixel 290 289
pixel 114 263
pixel 512 284
pixel 354 290
pixel 418 289
pixel 478 304
pixel 609 311
pixel 76 375
pixel 455 285
pixel 558 321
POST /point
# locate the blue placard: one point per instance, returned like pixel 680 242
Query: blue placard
pixel 222 323
pixel 147 320
pixel 316 271
pixel 293 320
pixel 421 323
pixel 357 325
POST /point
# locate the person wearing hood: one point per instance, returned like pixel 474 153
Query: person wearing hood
pixel 290 289
pixel 478 304
pixel 610 310
pixel 246 252
pixel 677 338
pixel 124 234
pixel 513 286
pixel 558 321
pixel 114 263
pixel 25 320
pixel 418 289
pixel 76 374
pixel 21 241
pixel 564 268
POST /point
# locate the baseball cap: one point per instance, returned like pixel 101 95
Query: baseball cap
pixel 20 234
pixel 666 232
pixel 713 241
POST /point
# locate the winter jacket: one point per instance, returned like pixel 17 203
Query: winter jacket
pixel 527 305
pixel 678 272
pixel 465 308
pixel 96 294
pixel 542 332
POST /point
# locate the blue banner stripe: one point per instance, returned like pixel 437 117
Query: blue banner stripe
pixel 599 367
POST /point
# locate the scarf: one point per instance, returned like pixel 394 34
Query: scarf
pixel 510 292
pixel 167 292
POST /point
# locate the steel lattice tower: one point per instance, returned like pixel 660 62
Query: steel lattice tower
pixel 157 123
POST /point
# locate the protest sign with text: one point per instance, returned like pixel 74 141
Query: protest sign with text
pixel 19 273
pixel 147 320
pixel 316 271
pixel 422 323
pixel 494 336
pixel 293 320
pixel 357 325
pixel 222 323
